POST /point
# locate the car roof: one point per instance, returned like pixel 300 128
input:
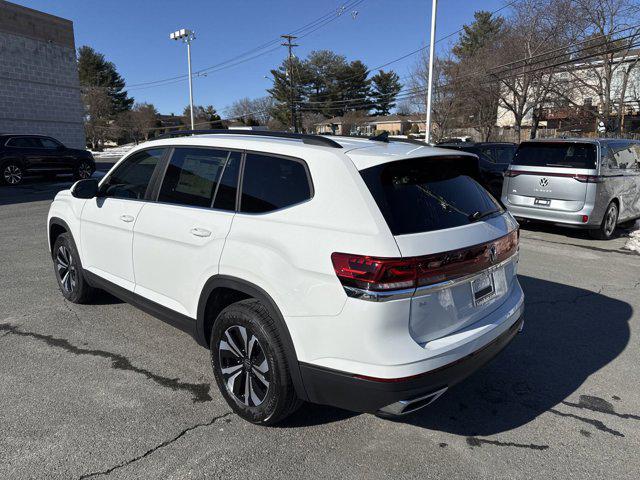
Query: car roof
pixel 363 152
pixel 593 141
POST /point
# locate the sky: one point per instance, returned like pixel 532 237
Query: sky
pixel 134 35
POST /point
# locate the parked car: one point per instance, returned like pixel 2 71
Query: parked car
pixel 586 183
pixel 494 158
pixel 367 275
pixel 23 155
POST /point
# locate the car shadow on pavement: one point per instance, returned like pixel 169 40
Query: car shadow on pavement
pixel 569 334
pixel 566 231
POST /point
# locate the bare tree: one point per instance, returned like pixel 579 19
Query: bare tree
pixel 98 107
pixel 446 107
pixel 610 34
pixel 248 111
pixel 139 122
pixel 528 57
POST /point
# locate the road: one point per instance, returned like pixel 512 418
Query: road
pixel 106 391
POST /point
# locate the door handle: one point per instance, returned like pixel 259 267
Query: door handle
pixel 127 218
pixel 200 232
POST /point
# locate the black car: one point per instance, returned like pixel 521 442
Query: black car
pixel 494 158
pixel 22 155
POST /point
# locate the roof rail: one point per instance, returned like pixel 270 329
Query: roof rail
pixel 308 139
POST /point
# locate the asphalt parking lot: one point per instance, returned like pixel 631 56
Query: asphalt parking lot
pixel 104 390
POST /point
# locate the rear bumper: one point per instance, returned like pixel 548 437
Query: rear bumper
pixel 344 390
pixel 556 216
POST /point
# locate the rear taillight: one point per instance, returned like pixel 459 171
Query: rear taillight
pixel 588 178
pixel 385 274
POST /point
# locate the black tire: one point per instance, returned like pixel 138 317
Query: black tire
pixel 608 225
pixel 84 170
pixel 68 270
pixel 244 357
pixel 12 173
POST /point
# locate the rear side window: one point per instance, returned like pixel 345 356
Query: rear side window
pixel 192 176
pixel 270 183
pixel 552 154
pixel 504 153
pixel 625 155
pixel 48 143
pixel 131 178
pixel 427 194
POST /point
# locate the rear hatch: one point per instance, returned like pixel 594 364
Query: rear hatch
pixel 457 239
pixel 551 175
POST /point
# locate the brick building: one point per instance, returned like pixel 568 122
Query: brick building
pixel 39 87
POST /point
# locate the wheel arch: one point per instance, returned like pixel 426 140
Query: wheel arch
pixel 247 290
pixel 57 226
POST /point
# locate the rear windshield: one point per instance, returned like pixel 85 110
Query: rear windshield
pixel 567 155
pixel 426 194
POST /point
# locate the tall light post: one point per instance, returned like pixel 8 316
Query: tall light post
pixel 187 36
pixel 432 50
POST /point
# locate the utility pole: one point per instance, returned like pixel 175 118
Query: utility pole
pixel 432 52
pixel 289 45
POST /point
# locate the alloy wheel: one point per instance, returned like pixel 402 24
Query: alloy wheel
pixel 84 170
pixel 610 221
pixel 244 366
pixel 66 269
pixel 12 174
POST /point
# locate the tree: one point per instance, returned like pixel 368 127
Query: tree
pixel 97 113
pixel 610 32
pixel 472 51
pixel 283 94
pixel 386 86
pixel 255 111
pixel 95 71
pixel 203 117
pixel 139 122
pixel 478 35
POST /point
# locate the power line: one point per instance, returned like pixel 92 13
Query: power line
pixel 270 46
pixel 289 45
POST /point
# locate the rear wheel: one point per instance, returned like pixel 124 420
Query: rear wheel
pixel 608 225
pixel 12 174
pixel 68 270
pixel 249 364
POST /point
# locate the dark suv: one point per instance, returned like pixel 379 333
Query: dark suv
pixel 494 157
pixel 22 155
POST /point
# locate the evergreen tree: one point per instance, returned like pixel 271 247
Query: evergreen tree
pixel 386 86
pixel 478 35
pixel 96 72
pixel 203 117
pixel 355 88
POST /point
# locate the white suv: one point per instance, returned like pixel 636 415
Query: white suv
pixel 365 274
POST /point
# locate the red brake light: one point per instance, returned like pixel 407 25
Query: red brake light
pixel 383 274
pixel 588 178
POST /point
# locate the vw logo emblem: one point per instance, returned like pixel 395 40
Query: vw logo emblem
pixel 544 181
pixel 493 253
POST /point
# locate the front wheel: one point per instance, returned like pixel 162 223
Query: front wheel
pixel 84 170
pixel 12 174
pixel 249 364
pixel 68 270
pixel 608 225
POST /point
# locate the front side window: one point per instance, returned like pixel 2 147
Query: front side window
pixel 131 179
pixel 23 142
pixel 228 187
pixel 193 175
pixel 270 183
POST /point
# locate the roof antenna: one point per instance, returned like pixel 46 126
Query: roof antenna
pixel 381 137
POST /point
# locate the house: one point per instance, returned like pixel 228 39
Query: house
pixel 369 125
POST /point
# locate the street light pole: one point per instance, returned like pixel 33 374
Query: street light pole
pixel 432 49
pixel 187 36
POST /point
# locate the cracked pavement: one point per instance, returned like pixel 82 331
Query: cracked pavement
pixel 107 391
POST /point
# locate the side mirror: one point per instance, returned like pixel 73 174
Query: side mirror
pixel 85 188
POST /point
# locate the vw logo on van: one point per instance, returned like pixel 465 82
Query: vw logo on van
pixel 544 181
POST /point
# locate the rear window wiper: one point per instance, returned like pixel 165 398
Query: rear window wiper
pixel 476 216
